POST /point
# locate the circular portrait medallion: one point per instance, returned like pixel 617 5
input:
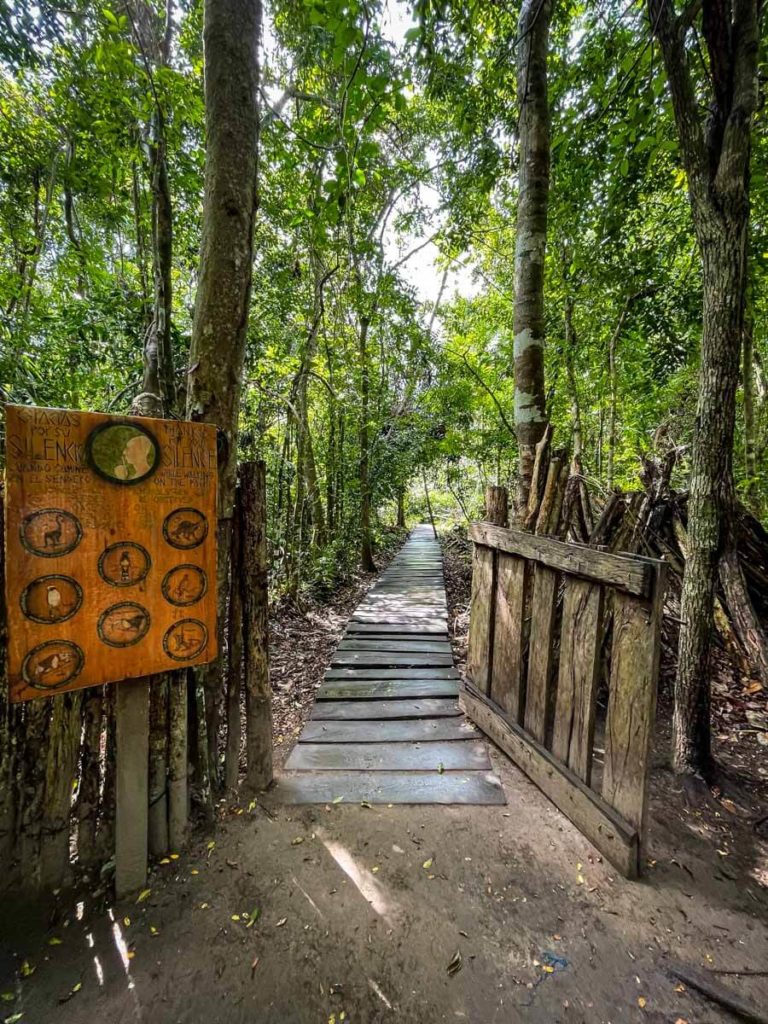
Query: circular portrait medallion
pixel 52 665
pixel 123 625
pixel 185 640
pixel 51 599
pixel 124 564
pixel 50 532
pixel 122 452
pixel 185 528
pixel 184 585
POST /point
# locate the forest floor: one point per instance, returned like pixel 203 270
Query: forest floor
pixel 340 914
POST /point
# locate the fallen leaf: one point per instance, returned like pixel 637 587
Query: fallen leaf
pixel 547 969
pixel 235 917
pixel 166 860
pixel 281 922
pixel 364 803
pixel 203 906
pixel 679 988
pixel 337 799
pixel 427 864
pixel 174 856
pixel 26 969
pixel 13 1018
pixel 143 895
pixel 8 997
pixel 55 941
pixel 375 869
pixel 153 930
pixel 194 871
pixel 297 841
pixel 254 965
pixel 127 922
pixel 456 963
pixel 641 1002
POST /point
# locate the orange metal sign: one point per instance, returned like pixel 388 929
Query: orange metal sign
pixel 110 548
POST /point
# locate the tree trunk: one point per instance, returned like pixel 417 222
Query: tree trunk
pixel 752 491
pixel 716 158
pixel 531 234
pixel 366 541
pixel 401 507
pixel 577 433
pixel 258 695
pixel 230 43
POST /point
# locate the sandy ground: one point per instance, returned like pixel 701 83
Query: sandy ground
pixel 336 914
pixel 349 920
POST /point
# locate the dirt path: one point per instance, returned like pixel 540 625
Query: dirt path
pixel 355 914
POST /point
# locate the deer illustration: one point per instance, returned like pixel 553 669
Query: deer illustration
pixel 52 538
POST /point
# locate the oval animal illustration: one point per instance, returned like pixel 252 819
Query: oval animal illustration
pixel 52 665
pixel 185 640
pixel 123 625
pixel 124 564
pixel 184 585
pixel 50 532
pixel 185 528
pixel 124 453
pixel 51 599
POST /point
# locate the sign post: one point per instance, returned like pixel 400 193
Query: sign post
pixel 111 572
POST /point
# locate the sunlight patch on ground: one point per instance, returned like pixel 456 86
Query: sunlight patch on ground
pixel 369 888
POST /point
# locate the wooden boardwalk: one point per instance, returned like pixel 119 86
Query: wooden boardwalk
pixel 386 726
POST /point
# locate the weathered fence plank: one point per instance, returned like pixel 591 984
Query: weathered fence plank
pixel 623 572
pixel 481 613
pixel 541 651
pixel 632 702
pixel 507 679
pixel 578 675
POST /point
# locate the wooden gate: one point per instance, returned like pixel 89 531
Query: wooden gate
pixel 549 623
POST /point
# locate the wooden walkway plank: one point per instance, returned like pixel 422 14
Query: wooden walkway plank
pixel 391 788
pixel 415 730
pixel 385 710
pixel 382 757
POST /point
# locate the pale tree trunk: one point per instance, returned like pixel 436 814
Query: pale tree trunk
pixel 531 234
pixel 716 157
pixel 230 42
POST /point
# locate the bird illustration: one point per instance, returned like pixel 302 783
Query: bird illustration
pixel 52 663
pixel 54 602
pixel 132 624
pixel 183 587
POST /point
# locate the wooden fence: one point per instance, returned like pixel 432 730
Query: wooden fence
pixel 540 617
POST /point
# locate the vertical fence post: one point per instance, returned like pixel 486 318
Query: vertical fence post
pixel 497 505
pixel 131 820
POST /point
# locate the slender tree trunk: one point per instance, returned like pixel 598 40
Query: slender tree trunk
pixel 570 349
pixel 230 43
pixel 531 233
pixel 401 507
pixel 258 695
pixel 366 541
